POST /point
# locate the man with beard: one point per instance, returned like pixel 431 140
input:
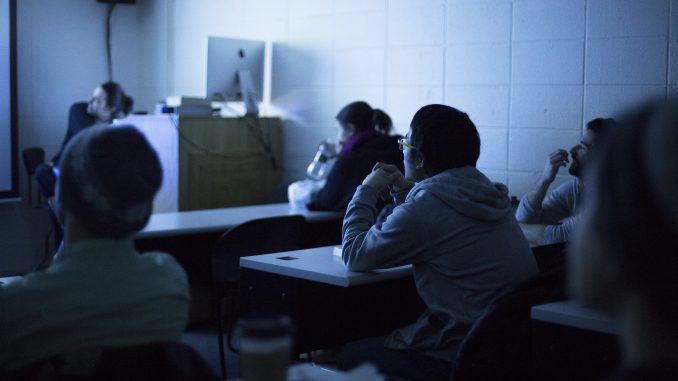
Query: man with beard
pixel 550 219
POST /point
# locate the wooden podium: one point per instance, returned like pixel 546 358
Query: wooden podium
pixel 213 162
pixel 228 161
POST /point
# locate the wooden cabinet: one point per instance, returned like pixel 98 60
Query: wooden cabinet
pixel 213 162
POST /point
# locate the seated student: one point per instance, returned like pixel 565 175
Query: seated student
pixel 107 103
pixel 623 254
pixel 550 219
pixel 364 141
pixel 453 225
pixel 99 292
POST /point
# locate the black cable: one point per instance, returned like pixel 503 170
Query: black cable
pixel 108 42
pixel 256 130
pixel 203 149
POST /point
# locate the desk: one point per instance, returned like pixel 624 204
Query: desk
pixel 329 305
pixel 319 265
pixel 571 342
pixel 190 236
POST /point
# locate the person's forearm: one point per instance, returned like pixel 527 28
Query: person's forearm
pixel 536 196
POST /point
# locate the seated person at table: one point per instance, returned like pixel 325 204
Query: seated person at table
pixel 99 292
pixel 107 102
pixel 362 135
pixel 453 225
pixel 624 258
pixel 550 219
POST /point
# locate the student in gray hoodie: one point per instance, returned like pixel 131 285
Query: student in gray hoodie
pixel 453 225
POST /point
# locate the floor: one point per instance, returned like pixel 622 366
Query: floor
pixel 25 241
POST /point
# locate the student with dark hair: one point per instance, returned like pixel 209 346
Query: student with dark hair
pixel 98 292
pixel 363 140
pixel 551 219
pixel 453 225
pixel 623 253
pixel 108 102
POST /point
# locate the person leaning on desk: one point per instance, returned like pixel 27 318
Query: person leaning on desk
pixel 623 255
pixel 453 225
pixel 98 293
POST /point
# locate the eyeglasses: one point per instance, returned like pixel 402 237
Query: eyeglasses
pixel 403 143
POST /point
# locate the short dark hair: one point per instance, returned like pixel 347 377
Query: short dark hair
pixel 445 138
pixel 600 125
pixel 364 117
pixel 117 99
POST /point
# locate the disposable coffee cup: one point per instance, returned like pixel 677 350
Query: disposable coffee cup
pixel 265 347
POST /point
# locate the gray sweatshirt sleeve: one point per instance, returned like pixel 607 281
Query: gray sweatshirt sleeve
pixel 560 232
pixel 368 247
pixel 559 204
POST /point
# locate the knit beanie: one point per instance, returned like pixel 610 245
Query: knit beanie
pixel 108 178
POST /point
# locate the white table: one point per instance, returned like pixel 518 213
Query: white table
pixel 211 220
pixel 572 314
pixel 571 342
pixel 328 304
pixel 319 265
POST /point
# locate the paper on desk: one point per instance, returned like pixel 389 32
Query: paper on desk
pixel 336 251
pixel 308 372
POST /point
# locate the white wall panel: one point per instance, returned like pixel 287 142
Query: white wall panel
pixel 493 148
pixel 612 101
pixel 477 64
pixel 547 62
pixel 546 106
pixel 414 65
pixel 403 102
pixel 628 61
pixel 627 18
pixel 478 21
pixel 485 105
pixel 421 25
pixel 548 19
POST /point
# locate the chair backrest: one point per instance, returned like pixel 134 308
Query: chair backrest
pixel 499 345
pixel 33 157
pixel 550 257
pixel 157 361
pixel 261 236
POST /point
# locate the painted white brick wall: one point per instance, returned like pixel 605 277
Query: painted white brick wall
pixel 530 73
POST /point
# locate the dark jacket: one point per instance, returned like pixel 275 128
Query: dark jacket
pixel 78 120
pixel 350 170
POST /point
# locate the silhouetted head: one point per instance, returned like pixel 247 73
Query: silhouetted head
pixel 358 117
pixel 109 101
pixel 108 179
pixel 441 137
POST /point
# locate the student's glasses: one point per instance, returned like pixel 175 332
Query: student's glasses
pixel 403 143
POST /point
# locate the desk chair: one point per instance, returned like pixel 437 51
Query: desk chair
pixel 499 346
pixel 550 257
pixel 32 156
pixel 261 236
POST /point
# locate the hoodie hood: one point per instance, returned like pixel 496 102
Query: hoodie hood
pixel 467 191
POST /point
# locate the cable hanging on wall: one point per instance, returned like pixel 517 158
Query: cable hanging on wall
pixel 109 60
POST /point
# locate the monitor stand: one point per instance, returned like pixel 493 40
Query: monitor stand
pixel 247 92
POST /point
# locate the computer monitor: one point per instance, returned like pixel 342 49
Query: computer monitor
pixel 235 71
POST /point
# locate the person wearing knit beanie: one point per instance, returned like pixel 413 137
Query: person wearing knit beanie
pixel 98 292
pixel 108 178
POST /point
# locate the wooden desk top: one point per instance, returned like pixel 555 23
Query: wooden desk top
pixel 319 265
pixel 572 314
pixel 210 220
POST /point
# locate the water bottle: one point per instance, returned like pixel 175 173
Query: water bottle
pixel 318 167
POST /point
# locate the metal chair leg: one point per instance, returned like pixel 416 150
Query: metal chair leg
pixel 220 333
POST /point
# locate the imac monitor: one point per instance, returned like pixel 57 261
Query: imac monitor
pixel 235 71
